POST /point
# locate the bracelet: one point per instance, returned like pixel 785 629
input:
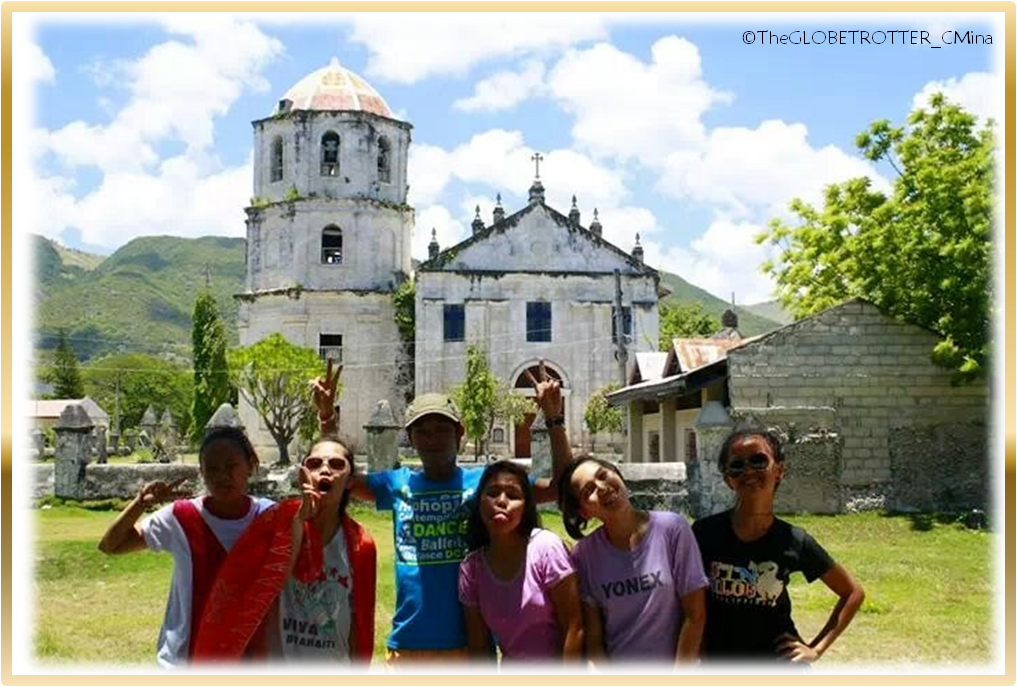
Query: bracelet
pixel 556 421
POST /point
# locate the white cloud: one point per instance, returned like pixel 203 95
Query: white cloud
pixel 33 65
pixel 448 230
pixel 755 172
pixel 501 161
pixel 177 90
pixel 626 108
pixel 980 93
pixel 937 25
pixel 504 90
pixel 408 47
pixel 181 198
pixel 724 259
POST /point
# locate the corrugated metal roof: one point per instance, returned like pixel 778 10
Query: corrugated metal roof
pixel 693 353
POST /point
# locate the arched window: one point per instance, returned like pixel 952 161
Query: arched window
pixel 498 436
pixel 330 154
pixel 332 245
pixel 384 160
pixel 277 159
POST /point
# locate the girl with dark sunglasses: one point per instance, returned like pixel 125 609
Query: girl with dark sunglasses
pixel 749 555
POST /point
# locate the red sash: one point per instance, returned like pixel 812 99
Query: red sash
pixel 255 573
pixel 207 556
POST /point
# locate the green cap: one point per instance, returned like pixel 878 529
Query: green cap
pixel 432 404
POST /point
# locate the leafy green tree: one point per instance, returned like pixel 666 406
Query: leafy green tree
pixel 144 380
pixel 64 375
pixel 211 374
pixel 683 321
pixel 476 396
pixel 405 301
pixel 921 253
pixel 601 416
pixel 272 376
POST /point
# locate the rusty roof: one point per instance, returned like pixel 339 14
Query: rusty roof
pixel 689 354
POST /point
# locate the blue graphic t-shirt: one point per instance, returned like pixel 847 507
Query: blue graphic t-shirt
pixel 429 522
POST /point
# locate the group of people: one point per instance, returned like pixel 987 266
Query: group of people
pixel 476 574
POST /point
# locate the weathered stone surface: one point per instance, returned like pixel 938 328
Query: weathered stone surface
pixel 75 419
pixel 939 467
pixel 225 416
pixel 124 481
pixel 382 438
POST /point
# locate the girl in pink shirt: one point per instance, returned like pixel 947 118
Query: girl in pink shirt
pixel 517 582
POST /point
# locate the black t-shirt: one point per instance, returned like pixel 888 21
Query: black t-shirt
pixel 748 607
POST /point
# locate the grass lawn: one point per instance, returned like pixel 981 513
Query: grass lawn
pixel 928 583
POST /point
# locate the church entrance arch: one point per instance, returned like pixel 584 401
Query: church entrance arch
pixel 521 383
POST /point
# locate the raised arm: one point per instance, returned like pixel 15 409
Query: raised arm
pixel 323 391
pixel 124 535
pixel 549 400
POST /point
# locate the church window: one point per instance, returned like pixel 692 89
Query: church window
pixel 626 323
pixel 498 435
pixel 538 321
pixel 277 159
pixel 384 160
pixel 332 245
pixel 455 322
pixel 330 347
pixel 330 154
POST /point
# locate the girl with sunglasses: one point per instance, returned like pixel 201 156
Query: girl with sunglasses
pixel 749 556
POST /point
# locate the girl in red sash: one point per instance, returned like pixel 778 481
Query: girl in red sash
pixel 198 532
pixel 300 583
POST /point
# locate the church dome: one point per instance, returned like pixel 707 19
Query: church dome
pixel 334 88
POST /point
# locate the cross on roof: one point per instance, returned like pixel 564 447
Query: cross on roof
pixel 537 157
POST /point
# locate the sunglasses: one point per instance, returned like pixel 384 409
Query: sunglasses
pixel 737 466
pixel 334 464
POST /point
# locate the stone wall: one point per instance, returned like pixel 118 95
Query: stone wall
pixel 657 486
pixel 110 481
pixel 869 378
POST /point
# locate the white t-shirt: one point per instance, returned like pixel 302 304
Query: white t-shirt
pixel 162 532
pixel 315 618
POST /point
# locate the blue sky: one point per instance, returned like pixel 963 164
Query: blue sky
pixel 674 129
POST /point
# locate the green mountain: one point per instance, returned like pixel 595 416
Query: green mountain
pixel 771 310
pixel 139 299
pixel 56 265
pixel 749 323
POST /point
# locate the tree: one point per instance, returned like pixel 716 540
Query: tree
pixel 484 400
pixel 921 253
pixel 211 374
pixel 476 396
pixel 144 380
pixel 64 375
pixel 601 416
pixel 684 320
pixel 272 376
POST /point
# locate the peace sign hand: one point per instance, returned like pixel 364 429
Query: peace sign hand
pixel 323 390
pixel 548 391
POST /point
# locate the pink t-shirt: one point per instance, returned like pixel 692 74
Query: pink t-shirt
pixel 519 612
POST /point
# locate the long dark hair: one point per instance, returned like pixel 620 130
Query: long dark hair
pixel 476 533
pixel 568 503
pixel 334 439
pixel 234 434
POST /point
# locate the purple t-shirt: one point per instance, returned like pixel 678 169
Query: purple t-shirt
pixel 519 612
pixel 638 591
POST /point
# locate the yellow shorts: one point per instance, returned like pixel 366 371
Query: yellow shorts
pixel 410 662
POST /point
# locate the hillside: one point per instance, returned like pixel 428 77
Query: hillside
pixel 749 323
pixel 771 310
pixel 52 267
pixel 137 300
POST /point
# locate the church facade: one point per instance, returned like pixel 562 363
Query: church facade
pixel 329 242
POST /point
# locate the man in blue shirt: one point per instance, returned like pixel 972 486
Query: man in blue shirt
pixel 429 514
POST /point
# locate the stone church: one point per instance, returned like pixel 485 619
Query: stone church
pixel 329 242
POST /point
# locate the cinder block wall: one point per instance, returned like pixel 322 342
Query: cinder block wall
pixel 890 404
